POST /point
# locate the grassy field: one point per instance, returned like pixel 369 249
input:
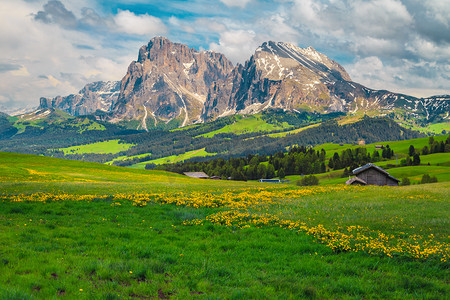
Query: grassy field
pixel 437 128
pixel 247 124
pixel 120 158
pixel 285 133
pixel 90 231
pixel 111 146
pixel 174 158
pixel 399 147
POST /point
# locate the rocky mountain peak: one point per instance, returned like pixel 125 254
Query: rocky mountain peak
pixel 280 59
pixel 168 82
pixel 171 83
pixel 93 96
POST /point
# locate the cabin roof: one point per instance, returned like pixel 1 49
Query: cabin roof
pixel 353 179
pixel 368 166
pixel 196 174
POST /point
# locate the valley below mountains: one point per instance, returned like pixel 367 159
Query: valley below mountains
pixel 177 103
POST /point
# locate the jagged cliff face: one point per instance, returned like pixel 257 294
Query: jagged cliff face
pixel 278 75
pixel 172 82
pixel 168 81
pixel 281 75
pixel 94 96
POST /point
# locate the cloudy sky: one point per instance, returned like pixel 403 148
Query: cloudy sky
pixel 55 47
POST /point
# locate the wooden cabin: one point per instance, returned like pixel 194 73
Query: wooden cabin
pixel 371 174
pixel 200 175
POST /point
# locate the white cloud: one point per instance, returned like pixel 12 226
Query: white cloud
pixel 237 45
pixel 45 60
pixel 23 71
pixel 419 79
pixel 429 50
pixel 238 3
pixel 128 22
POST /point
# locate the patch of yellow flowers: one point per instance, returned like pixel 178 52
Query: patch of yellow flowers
pixel 343 239
pixel 235 205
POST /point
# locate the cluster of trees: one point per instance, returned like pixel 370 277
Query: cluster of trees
pixel 433 147
pixel 299 160
pixel 353 158
pixel 413 158
pixel 425 179
pixel 308 180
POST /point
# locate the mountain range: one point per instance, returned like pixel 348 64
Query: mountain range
pixel 171 83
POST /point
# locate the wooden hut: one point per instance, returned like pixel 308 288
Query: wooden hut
pixel 200 175
pixel 371 174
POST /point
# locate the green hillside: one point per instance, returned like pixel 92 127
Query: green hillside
pixel 248 124
pixel 399 147
pixel 111 146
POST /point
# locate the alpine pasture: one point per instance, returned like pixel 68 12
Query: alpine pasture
pixel 80 230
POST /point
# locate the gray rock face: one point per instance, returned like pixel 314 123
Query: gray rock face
pixel 281 75
pixel 278 75
pixel 94 96
pixel 168 81
pixel 172 82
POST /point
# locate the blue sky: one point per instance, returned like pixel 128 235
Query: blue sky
pixel 50 48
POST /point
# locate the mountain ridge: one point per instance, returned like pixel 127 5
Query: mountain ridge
pixel 172 83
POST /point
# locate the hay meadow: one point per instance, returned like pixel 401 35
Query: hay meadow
pixel 77 230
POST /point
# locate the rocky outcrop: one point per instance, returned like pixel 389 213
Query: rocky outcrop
pixel 94 96
pixel 281 75
pixel 278 75
pixel 168 81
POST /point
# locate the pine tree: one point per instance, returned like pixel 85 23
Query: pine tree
pixel 411 150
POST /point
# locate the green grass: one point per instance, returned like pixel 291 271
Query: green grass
pixel 108 248
pixel 87 125
pixel 111 146
pixel 247 124
pixel 398 146
pixel 437 128
pixel 285 133
pixel 174 158
pixel 121 158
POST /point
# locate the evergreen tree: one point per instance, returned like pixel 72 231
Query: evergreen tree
pixel 411 150
pixel 308 180
pixel 281 173
pixel 405 181
pixel 416 159
pixel 270 173
pixel 425 179
pixel 261 171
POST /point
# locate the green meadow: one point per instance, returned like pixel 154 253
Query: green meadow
pixel 174 158
pixel 399 147
pixel 78 230
pixel 111 146
pixel 248 124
